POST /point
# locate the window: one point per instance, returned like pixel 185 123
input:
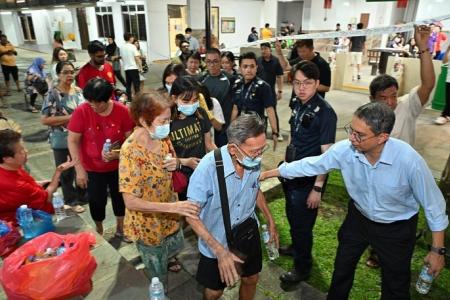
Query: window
pixel 134 21
pixel 104 21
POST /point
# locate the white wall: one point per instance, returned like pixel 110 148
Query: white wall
pixel 14 32
pixel 42 27
pixel 434 8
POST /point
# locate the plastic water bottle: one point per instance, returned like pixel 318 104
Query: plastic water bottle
pixel 25 219
pixel 272 250
pixel 58 206
pixel 156 290
pixel 4 228
pixel 423 284
pixel 107 146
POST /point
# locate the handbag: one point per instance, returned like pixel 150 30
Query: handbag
pixel 238 237
pixel 179 181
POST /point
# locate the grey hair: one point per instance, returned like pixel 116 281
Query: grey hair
pixel 378 116
pixel 244 127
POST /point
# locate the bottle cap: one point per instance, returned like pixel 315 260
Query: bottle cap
pixel 23 206
pixel 264 226
pixel 155 280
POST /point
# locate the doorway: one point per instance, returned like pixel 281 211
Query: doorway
pixel 364 18
pixel 26 22
pixel 290 12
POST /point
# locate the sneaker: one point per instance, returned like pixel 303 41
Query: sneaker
pixel 441 120
pixel 280 138
pixel 293 276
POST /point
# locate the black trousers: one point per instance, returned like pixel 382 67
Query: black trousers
pixel 446 111
pixel 98 186
pixel 72 193
pixel 132 77
pixel 394 244
pixel 301 220
pixel 119 76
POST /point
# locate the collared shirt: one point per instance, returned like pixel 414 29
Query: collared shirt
pixel 204 189
pixel 407 111
pixel 194 45
pixel 388 191
pixel 269 70
pixel 254 96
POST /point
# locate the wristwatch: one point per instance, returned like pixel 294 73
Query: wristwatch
pixel 440 251
pixel 317 189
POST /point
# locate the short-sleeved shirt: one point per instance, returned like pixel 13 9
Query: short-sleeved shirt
pixel 254 96
pixel 188 136
pixel 88 71
pixel 266 33
pixel 357 43
pixel 59 104
pixel 18 188
pixel 128 53
pixel 407 111
pixel 7 59
pixel 203 189
pixel 95 129
pixel 142 175
pixel 219 87
pixel 269 70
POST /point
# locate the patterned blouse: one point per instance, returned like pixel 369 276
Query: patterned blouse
pixel 142 175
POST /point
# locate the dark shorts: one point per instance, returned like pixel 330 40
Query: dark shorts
pixel 208 273
pixel 8 70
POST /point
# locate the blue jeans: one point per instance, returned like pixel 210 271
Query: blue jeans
pixel 301 220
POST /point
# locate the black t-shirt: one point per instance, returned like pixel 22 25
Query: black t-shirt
pixel 324 70
pixel 357 43
pixel 269 70
pixel 188 136
pixel 254 96
pixel 220 88
pixel 312 124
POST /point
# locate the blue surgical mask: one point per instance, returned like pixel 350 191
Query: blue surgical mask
pixel 248 162
pixel 161 132
pixel 188 109
pixel 168 87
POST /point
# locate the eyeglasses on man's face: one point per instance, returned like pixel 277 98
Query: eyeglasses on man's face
pixel 359 137
pixel 305 83
pixel 254 153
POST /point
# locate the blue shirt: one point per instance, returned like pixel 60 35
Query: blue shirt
pixel 204 189
pixel 388 191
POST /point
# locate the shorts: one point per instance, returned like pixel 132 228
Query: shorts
pixel 208 273
pixel 10 70
pixel 356 58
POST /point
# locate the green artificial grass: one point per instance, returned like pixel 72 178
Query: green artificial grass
pixel 331 214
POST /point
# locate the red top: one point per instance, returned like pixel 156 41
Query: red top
pixel 95 129
pixel 88 72
pixel 441 37
pixel 17 188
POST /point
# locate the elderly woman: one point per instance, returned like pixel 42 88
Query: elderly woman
pixel 145 179
pixel 35 82
pixel 57 109
pixel 92 123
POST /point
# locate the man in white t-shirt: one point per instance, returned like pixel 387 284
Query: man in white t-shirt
pixel 407 108
pixel 132 64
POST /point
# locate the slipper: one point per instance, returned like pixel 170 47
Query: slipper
pixel 78 209
pixel 174 265
pixel 123 237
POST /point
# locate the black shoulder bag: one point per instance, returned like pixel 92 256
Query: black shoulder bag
pixel 241 235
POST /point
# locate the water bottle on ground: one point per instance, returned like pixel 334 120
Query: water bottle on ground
pixel 58 206
pixel 25 219
pixel 107 146
pixel 271 247
pixel 156 290
pixel 424 281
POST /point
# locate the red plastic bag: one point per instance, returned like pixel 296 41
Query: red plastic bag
pixel 58 277
pixel 8 242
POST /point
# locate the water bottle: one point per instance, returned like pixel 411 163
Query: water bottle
pixel 156 289
pixel 58 206
pixel 272 250
pixel 424 281
pixel 25 219
pixel 4 228
pixel 107 146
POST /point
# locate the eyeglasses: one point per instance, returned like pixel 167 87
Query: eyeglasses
pixel 212 62
pixel 67 72
pixel 255 153
pixel 351 132
pixel 305 83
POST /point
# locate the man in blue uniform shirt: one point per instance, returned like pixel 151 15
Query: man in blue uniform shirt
pixel 387 181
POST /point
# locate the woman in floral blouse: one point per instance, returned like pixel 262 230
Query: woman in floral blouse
pixel 152 207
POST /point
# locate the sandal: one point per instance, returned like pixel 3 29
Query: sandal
pixel 174 265
pixel 78 209
pixel 123 237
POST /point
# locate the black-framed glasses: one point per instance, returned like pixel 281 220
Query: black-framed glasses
pixel 351 132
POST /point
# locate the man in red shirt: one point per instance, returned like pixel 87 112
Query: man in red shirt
pixel 17 186
pixel 96 67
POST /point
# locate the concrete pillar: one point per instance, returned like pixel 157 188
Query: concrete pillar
pixel 270 14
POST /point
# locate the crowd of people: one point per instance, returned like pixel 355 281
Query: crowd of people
pixel 197 142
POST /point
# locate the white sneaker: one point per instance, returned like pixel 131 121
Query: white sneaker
pixel 280 138
pixel 441 120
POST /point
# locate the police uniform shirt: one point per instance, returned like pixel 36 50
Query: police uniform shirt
pixel 254 96
pixel 312 124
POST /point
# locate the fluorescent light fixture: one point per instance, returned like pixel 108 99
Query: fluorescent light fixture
pixel 346 3
pixel 59 6
pixel 5 13
pixel 60 10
